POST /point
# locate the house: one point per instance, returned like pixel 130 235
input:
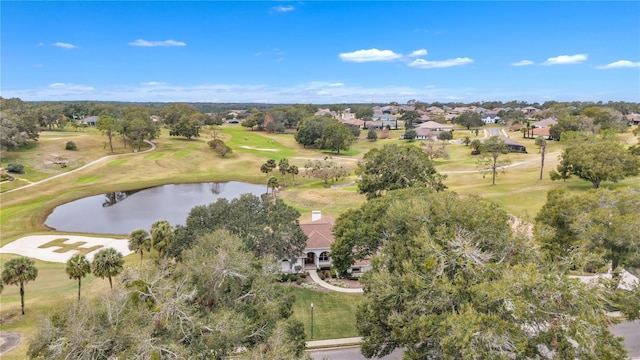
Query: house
pixel 634 119
pixel 513 145
pixel 543 131
pixel 529 110
pixel 491 118
pixel 353 122
pixel 316 254
pixel 434 126
pixel 545 123
pixel 90 120
pixel 430 130
pixel 380 124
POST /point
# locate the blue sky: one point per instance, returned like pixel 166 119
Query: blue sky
pixel 320 52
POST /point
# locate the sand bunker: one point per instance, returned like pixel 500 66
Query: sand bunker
pixel 255 148
pixel 39 247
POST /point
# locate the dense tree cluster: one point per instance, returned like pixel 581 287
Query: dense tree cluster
pixel 219 299
pixel 395 167
pixel 595 159
pixel 324 132
pixel 449 284
pixel 266 227
pixel 468 120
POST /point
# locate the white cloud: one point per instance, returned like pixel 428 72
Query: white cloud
pixel 421 52
pixel 153 83
pixel 145 43
pixel 282 9
pixel 336 84
pixel 620 64
pixel 316 92
pixel 369 55
pixel 64 45
pixel 566 59
pixel 425 64
pixel 70 87
pixel 523 63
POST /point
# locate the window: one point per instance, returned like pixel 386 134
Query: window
pixel 324 256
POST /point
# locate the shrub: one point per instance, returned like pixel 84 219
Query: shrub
pixel 71 146
pixel 15 168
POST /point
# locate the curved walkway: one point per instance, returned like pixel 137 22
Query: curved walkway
pixel 326 285
pixel 153 147
pixel 8 341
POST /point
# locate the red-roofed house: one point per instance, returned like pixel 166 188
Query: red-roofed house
pixel 316 253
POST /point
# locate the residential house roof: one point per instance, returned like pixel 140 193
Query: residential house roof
pixel 545 123
pixel 432 125
pixel 353 121
pixel 544 131
pixel 319 235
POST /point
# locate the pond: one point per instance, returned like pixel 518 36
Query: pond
pixel 123 212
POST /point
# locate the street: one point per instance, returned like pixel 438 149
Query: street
pixel 629 330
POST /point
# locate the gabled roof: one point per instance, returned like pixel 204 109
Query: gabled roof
pixel 433 125
pixel 319 234
pixel 545 123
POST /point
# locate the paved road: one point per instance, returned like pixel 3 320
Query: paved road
pixel 8 340
pixel 629 330
pixel 631 333
pixel 348 353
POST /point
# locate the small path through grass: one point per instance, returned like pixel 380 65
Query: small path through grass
pixel 153 147
pixel 326 285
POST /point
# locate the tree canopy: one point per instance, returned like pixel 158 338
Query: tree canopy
pixel 19 271
pixel 266 226
pixel 591 230
pixel 396 167
pixel 447 283
pixel 490 152
pixel 218 299
pixel 596 160
pixel 107 263
pixel 335 137
pixel 468 120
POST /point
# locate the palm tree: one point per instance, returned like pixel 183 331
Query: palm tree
pixel 273 184
pixel 107 263
pixel 139 241
pixel 19 271
pixel 161 236
pixel 293 170
pixel 77 268
pixel 542 143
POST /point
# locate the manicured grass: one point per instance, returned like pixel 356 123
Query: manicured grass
pixel 333 313
pixel 154 156
pixel 518 191
pixel 117 162
pixel 181 153
pixel 87 179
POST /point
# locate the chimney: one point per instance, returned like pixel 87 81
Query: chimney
pixel 316 215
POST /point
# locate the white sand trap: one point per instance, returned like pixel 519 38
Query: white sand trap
pixel 260 149
pixel 30 246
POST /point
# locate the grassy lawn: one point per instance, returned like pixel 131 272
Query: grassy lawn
pixel 178 160
pixel 333 313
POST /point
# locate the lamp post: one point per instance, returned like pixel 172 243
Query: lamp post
pixel 312 320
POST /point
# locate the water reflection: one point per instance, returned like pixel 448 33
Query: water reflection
pixel 110 214
pixel 115 197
